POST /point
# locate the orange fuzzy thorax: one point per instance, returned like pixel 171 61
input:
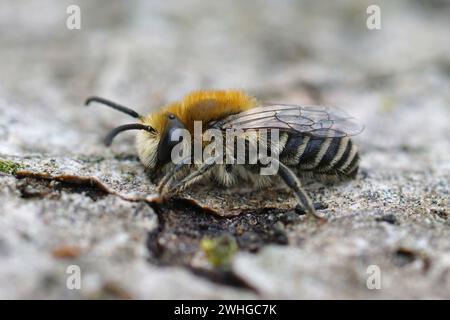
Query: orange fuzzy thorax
pixel 205 106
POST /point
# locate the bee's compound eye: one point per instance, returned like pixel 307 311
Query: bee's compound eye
pixel 166 143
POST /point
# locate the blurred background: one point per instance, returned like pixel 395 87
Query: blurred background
pixel 146 53
pixel 395 80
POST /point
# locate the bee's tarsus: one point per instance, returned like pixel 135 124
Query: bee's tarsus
pixel 113 105
pixel 161 189
pixel 291 180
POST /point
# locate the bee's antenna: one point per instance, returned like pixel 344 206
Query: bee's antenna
pixel 114 105
pixel 134 126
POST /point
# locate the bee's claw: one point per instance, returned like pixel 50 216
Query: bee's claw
pixel 321 219
pixel 160 190
pixel 310 212
pixel 166 192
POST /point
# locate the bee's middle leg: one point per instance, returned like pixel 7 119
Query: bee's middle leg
pixel 192 177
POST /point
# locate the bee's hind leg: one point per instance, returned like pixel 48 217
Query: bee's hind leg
pixel 292 181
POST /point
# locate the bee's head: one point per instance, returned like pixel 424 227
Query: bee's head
pixel 153 141
pixel 155 148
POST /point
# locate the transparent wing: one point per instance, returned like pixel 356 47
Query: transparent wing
pixel 317 121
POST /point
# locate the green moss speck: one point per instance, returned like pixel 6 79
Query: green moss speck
pixel 220 250
pixel 9 167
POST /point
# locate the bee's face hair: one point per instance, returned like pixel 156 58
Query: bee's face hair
pixel 155 148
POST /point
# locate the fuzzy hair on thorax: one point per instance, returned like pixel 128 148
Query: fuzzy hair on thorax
pixel 204 106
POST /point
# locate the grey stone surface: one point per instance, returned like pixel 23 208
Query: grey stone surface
pixel 71 201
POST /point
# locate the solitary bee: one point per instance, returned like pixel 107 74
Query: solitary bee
pixel 313 141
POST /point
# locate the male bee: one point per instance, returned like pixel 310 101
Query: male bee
pixel 312 141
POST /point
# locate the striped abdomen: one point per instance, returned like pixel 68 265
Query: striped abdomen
pixel 325 156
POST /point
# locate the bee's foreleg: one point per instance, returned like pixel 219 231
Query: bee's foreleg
pixel 292 181
pixel 168 177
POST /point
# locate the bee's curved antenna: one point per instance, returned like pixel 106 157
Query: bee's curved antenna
pixel 114 105
pixel 133 126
